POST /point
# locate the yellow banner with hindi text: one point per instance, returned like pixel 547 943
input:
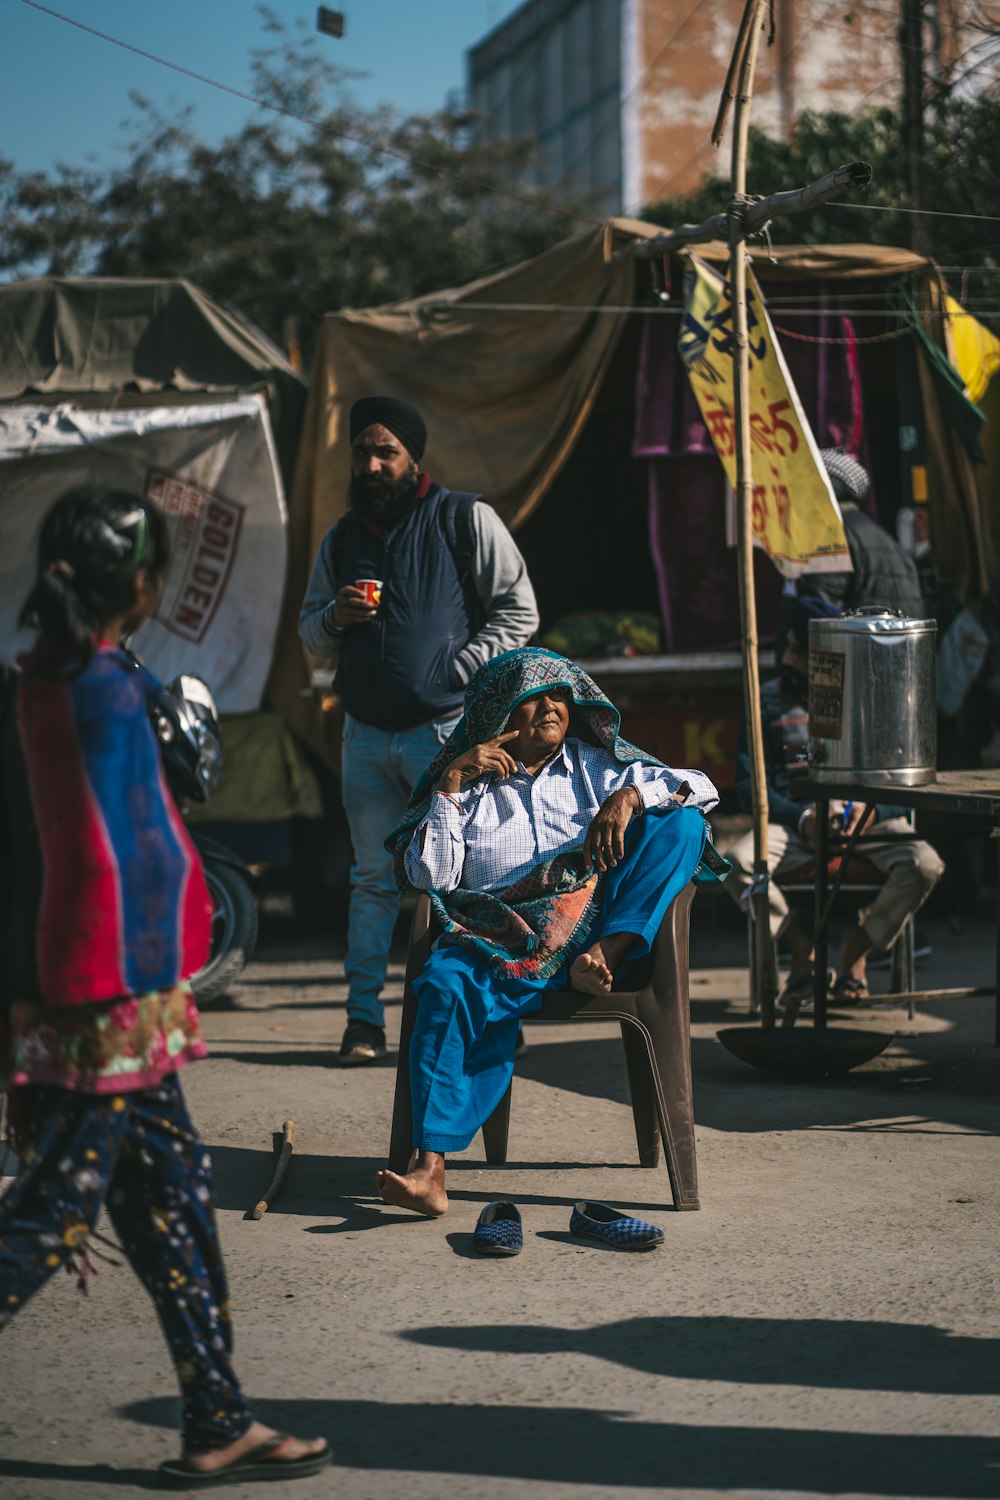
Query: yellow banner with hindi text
pixel 796 518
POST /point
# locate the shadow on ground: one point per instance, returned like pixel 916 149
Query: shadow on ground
pixel 730 1096
pixel 342 1188
pixel 573 1446
pixel 817 1352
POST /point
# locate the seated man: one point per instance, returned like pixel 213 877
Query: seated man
pixel 551 848
pixel 912 869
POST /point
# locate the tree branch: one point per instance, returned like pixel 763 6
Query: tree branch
pixel 756 215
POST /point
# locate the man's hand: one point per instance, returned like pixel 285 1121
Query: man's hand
pixel 846 826
pixel 350 607
pixel 604 845
pixel 479 761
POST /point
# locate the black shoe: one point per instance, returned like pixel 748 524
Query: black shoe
pixel 362 1043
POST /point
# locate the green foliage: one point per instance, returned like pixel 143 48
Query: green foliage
pixel 960 167
pixel 283 218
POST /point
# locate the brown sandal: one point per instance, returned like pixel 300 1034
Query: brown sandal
pixel 263 1462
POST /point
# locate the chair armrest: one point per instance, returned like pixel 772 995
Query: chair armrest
pixel 421 936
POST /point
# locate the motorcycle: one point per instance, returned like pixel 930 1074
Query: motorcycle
pixel 186 723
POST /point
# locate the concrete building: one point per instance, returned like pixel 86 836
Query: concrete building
pixel 620 95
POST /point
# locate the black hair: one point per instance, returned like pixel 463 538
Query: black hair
pixel 92 546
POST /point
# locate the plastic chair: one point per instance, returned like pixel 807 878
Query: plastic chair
pixel 656 1034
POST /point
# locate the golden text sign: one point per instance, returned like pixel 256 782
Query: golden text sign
pixel 796 519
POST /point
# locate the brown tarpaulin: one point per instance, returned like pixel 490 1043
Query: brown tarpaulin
pixel 506 391
pixel 504 394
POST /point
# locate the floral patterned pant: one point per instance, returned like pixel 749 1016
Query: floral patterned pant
pixel 139 1155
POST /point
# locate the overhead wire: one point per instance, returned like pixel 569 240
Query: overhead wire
pixel 356 139
pixel 370 143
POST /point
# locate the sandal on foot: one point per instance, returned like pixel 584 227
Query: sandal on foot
pixel 798 990
pixel 263 1462
pixel 850 991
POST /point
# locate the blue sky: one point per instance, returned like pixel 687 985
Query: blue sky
pixel 64 94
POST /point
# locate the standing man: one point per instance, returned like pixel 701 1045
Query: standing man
pixel 454 592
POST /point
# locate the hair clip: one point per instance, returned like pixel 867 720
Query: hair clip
pixel 60 565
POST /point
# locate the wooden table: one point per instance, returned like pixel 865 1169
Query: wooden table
pixel 965 794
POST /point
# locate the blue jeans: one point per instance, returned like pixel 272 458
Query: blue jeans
pixel 462 1048
pixel 379 770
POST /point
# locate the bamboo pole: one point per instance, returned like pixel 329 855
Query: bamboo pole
pixel 763 975
pixel 741 219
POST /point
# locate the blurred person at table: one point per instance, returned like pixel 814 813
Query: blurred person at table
pixel 911 867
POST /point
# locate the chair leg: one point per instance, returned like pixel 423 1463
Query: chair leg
pixel 677 1121
pixel 495 1131
pixel 401 1137
pixel 902 966
pixel 753 1008
pixel 643 1095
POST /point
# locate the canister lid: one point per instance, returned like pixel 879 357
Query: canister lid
pixel 872 621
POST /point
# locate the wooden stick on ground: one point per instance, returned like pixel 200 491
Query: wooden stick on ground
pixel 280 1171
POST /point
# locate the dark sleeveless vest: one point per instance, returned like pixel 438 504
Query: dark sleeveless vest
pixel 397 671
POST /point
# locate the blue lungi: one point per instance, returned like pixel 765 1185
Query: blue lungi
pixel 462 1049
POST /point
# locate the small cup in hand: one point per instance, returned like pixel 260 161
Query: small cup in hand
pixel 372 590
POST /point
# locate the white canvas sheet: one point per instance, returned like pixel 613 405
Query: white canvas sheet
pixel 212 469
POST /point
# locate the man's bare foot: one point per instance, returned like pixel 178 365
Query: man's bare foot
pixel 421 1188
pixel 593 970
pixel 590 972
pixel 256 1434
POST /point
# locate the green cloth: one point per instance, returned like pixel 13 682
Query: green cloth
pixel 966 418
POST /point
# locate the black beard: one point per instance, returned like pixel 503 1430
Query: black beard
pixel 384 501
pixel 795 684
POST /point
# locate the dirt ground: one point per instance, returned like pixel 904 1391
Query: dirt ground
pixel 827 1324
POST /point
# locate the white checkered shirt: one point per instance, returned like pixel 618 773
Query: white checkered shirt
pixel 494 832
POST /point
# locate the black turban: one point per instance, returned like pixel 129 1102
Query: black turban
pixel 806 609
pixel 402 420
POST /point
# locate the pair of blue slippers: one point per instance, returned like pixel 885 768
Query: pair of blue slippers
pixel 499 1232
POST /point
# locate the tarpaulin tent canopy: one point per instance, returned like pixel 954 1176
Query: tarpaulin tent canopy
pixel 508 369
pixel 212 470
pixel 139 347
pixel 118 341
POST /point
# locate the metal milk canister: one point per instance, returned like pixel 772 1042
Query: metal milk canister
pixel 872 703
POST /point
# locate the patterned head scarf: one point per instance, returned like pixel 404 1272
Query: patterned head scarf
pixel 850 480
pixel 491 697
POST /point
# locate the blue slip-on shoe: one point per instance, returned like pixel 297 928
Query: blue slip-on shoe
pixel 498 1231
pixel 597 1221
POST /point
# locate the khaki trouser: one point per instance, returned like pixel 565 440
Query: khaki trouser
pixel 912 869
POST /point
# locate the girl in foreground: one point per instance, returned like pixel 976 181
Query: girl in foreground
pixel 91 1058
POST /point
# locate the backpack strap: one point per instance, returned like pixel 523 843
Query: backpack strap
pixel 338 543
pixel 456 519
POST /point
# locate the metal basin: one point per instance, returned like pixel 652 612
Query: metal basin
pixel 805 1054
